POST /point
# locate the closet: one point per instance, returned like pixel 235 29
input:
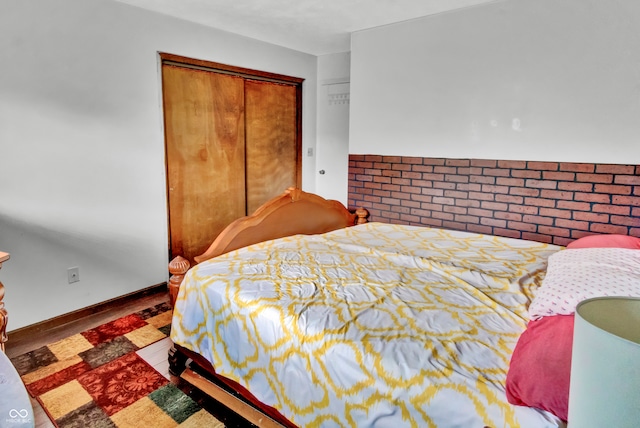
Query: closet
pixel 232 142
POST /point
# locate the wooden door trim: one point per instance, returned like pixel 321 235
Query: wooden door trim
pixel 171 59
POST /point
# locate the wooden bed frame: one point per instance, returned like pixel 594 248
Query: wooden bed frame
pixel 293 212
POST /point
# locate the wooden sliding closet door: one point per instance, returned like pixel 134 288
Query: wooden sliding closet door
pixel 233 142
pixel 271 140
pixel 204 132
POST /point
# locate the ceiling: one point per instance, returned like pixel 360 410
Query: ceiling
pixel 316 27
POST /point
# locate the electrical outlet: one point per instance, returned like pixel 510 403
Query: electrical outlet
pixel 73 274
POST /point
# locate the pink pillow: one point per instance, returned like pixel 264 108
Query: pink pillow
pixel 606 241
pixel 540 366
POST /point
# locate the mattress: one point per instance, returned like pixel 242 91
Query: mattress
pixel 373 325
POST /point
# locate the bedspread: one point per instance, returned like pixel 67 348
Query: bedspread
pixel 373 325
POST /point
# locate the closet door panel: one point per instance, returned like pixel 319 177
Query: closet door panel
pixel 272 144
pixel 205 150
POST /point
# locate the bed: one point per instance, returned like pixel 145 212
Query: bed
pixel 304 314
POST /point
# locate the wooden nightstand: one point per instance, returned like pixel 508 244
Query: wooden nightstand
pixel 3 312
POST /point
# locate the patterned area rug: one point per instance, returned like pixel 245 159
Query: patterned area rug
pixel 95 379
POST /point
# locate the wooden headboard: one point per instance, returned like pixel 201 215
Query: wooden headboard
pixel 294 212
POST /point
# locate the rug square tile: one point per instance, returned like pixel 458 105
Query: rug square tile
pixel 109 331
pixel 160 320
pixel 70 347
pixel 33 360
pixel 154 310
pixel 56 379
pixel 202 419
pixel 108 351
pixel 64 399
pixel 143 413
pixel 85 416
pixel 50 369
pixel 174 402
pixel 121 382
pixel 144 336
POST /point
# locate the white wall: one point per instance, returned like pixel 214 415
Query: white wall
pixel 333 126
pixel 82 179
pixel 518 79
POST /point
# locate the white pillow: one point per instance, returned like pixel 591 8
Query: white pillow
pixel 579 274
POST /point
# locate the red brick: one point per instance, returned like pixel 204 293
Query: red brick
pixel 508 216
pixel 364 164
pixel 401 167
pixel 481 196
pixel 356 171
pixel 356 158
pixel 615 169
pixel 537 237
pixel 421 198
pixel 392 159
pixel 482 179
pixel 480 212
pixel 572 224
pixel 493 222
pixel 552 212
pixel 412 175
pixel 385 180
pixel 476 228
pixel 433 161
pixel 608 228
pixel 474 171
pixel 553 231
pixel 484 163
pixel 536 219
pixel 611 209
pixel 489 188
pixel 371 199
pixel 411 189
pixel 433 192
pixel 549 203
pixel 411 204
pixel 421 213
pixel 560 176
pixel 391 187
pixel 443 201
pixel 444 185
pixel 454 225
pixel 555 194
pixel 592 217
pixel 578 167
pixel 457 162
pixel 523 209
pixel 546 166
pixel 635 212
pixel 521 191
pixel 507 233
pixel 400 181
pixel 412 160
pixel 510 199
pixel 382 165
pixel 444 170
pixel 624 220
pixel 595 178
pixel 494 206
pixel 512 164
pixel 364 178
pixel 627 179
pixel 561 241
pixel 391 173
pixel 496 172
pixel 431 222
pixel 592 197
pixel 526 173
pixel 613 189
pixel 390 215
pixel 442 215
pixel 626 200
pixel 433 207
pixel 373 158
pixel 503 181
pixel 372 185
pixel 542 184
pixel 400 210
pixel 433 177
pixel 578 187
pixel 474 187
pixel 467 219
pixel 381 193
pixel 454 209
pixel 407 217
pixel 390 201
pixel 575 206
pixel 422 168
pixel 457 178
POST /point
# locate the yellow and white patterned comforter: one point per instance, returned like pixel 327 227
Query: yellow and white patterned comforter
pixel 374 325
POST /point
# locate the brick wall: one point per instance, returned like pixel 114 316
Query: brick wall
pixel 552 202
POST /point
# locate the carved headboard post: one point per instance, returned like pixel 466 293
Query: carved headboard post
pixel 178 267
pixel 361 215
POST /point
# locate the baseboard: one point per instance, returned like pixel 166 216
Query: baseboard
pixel 30 330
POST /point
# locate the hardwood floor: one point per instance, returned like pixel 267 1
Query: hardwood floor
pixel 155 354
